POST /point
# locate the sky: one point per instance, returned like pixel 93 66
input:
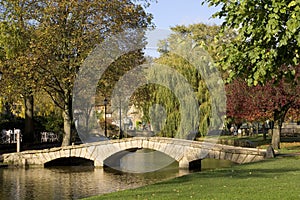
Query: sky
pixel 169 13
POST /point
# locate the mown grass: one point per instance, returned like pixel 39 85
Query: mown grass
pixel 277 178
pixel 246 141
pixel 289 147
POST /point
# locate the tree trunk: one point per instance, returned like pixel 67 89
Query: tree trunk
pixel 279 116
pixel 280 121
pixel 67 126
pixel 276 135
pixel 264 132
pixel 257 129
pixel 276 139
pixel 67 116
pixel 29 124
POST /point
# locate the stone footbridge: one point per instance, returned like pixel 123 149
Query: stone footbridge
pixel 185 152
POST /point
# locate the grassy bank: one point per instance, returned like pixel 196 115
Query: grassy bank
pixel 277 178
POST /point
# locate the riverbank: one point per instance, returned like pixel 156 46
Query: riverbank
pixel 276 178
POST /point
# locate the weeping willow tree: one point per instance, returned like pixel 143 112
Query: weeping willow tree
pixel 172 114
pixel 190 55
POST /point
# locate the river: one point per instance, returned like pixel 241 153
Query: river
pixel 75 182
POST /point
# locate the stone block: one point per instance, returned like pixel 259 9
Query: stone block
pixel 270 153
pixel 257 158
pixel 92 153
pixel 179 154
pixel 168 149
pixel 173 152
pixel 235 157
pixel 156 146
pixel 198 154
pixel 65 153
pixel 228 156
pixel 114 148
pixel 98 163
pixel 184 163
pixel 205 153
pixel 162 147
pixel 217 154
pixel 127 144
pixel 249 158
pixel 134 144
pixel 35 159
pixel 140 142
pixel 190 154
pixel 52 155
pixel 91 150
pixel 145 144
pixel 80 152
pixel 241 158
pixel 32 161
pixel 222 155
pixel 202 153
pixel 151 145
pixel 104 151
pixel 45 157
pixel 122 146
pixel 99 154
pixel 56 154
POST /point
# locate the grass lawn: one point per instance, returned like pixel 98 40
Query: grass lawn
pixel 277 178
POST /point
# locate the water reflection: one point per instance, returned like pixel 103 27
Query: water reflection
pixel 71 182
pixel 141 161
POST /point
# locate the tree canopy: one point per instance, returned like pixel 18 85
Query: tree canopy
pixel 189 53
pixel 262 102
pixel 268 41
pixel 51 39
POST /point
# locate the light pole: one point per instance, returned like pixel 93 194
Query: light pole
pixel 105 128
pixel 1 74
pixel 120 120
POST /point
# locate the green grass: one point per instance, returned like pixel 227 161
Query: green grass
pixel 246 141
pixel 277 178
pixel 289 147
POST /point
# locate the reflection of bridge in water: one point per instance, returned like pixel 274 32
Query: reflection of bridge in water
pixel 186 152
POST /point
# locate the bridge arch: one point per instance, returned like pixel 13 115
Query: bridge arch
pixel 102 152
pixel 69 161
pixel 143 160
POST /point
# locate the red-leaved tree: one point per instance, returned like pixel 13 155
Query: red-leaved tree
pixel 258 103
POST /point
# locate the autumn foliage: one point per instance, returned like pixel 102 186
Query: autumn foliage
pixel 273 100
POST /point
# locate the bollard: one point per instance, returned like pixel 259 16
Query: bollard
pixel 18 141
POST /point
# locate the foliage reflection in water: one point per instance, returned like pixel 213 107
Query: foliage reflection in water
pixel 71 182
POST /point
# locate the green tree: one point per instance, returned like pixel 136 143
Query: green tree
pixel 43 43
pixel 17 63
pixel 179 57
pixel 68 31
pixel 268 41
